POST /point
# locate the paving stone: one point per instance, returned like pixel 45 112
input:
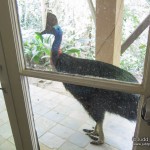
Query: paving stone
pixel 91 122
pixel 44 147
pixel 33 104
pixel 36 116
pixel 2 139
pixel 5 131
pixel 59 98
pixel 51 140
pixel 2 106
pixel 1 94
pixel 69 146
pixel 51 96
pixel 62 131
pixel 72 123
pixel 63 109
pixel 79 115
pixel 42 125
pixel 40 109
pixel 70 102
pixel 11 139
pixel 117 142
pixel 118 131
pixel 7 146
pixel 77 106
pixel 100 147
pixel 48 104
pixel 54 116
pixel 36 99
pixel 3 117
pixel 43 93
pixel 79 139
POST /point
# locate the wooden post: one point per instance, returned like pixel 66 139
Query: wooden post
pixel 44 7
pixel 108 30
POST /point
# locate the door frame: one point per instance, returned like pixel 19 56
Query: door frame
pixel 12 44
pixel 142 128
pixel 16 94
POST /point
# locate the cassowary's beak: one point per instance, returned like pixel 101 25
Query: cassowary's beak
pixel 50 22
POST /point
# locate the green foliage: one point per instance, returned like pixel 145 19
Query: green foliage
pixel 73 51
pixel 37 50
pixel 133 58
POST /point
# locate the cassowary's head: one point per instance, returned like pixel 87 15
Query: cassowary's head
pixel 53 28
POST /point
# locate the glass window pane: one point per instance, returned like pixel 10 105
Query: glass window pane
pixel 6 137
pixel 61 117
pixel 79 35
pixel 133 58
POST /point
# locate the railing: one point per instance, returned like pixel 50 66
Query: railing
pixel 133 36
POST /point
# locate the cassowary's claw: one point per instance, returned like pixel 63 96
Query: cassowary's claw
pixel 87 130
pixel 93 137
pixel 98 142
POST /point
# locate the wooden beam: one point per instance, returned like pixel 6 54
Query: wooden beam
pixel 135 34
pixel 114 85
pixel 108 30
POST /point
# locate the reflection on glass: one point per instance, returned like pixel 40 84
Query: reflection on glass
pixel 60 117
pixel 6 137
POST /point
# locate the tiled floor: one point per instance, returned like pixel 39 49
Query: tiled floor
pixel 6 139
pixel 60 120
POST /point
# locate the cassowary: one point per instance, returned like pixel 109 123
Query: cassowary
pixel 94 100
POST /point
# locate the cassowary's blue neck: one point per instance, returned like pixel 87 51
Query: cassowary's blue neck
pixel 57 32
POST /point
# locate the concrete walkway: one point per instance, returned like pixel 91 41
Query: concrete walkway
pixel 60 120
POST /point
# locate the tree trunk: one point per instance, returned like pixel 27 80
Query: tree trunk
pixel 26 13
pixel 44 8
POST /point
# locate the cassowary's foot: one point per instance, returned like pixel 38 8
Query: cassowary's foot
pixel 98 142
pixel 88 131
pixel 97 135
pixel 94 133
pixel 93 137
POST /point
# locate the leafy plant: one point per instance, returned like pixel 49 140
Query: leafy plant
pixel 73 51
pixel 37 50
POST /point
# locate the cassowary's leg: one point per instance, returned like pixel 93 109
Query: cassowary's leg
pixel 99 132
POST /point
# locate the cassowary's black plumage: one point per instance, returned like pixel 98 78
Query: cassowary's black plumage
pixel 98 101
pixel 95 101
